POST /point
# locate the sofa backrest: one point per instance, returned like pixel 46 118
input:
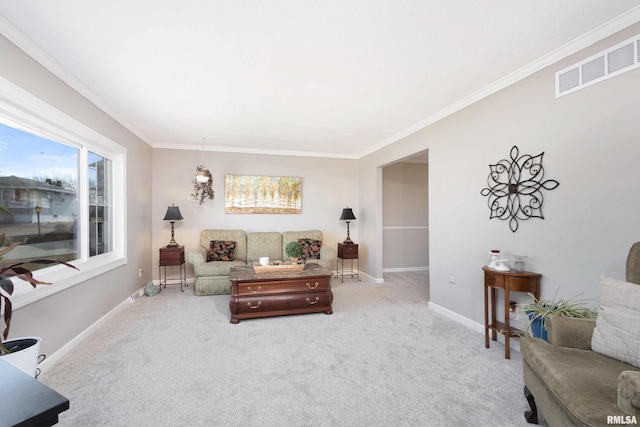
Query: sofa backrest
pixel 238 236
pixel 264 243
pixel 633 264
pixel 291 236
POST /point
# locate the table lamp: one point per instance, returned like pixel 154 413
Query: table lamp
pixel 347 215
pixel 173 214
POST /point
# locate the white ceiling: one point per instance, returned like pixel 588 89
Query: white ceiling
pixel 336 78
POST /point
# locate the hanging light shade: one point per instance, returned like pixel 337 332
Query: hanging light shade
pixel 203 182
pixel 202 174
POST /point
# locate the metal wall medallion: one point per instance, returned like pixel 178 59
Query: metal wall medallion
pixel 514 188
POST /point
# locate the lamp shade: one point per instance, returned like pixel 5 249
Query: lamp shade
pixel 173 214
pixel 347 215
pixel 201 176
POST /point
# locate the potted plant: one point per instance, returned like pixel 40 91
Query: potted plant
pixel 293 251
pixel 537 312
pixel 13 349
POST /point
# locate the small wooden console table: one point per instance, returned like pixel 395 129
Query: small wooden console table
pixel 172 256
pixel 347 251
pixel 509 281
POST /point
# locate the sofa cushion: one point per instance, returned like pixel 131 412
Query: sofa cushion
pixel 293 236
pixel 238 236
pixel 583 382
pixel 264 243
pixel 310 248
pixel 216 268
pixel 221 250
pixel 617 332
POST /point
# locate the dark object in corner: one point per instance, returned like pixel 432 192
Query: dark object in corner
pixel 532 415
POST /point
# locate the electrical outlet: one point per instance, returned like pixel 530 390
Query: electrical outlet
pixel 140 271
pixel 452 279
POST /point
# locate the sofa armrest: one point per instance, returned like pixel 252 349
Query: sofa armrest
pixel 569 331
pixel 197 257
pixel 629 393
pixel 327 253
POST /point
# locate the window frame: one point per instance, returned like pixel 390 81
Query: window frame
pixel 22 110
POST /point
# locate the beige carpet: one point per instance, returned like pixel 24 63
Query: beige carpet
pixel 382 359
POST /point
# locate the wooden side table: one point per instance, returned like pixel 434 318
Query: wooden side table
pixel 509 281
pixel 347 251
pixel 172 256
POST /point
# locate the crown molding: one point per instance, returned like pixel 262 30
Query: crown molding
pixel 599 33
pixel 243 150
pixel 17 37
pixel 618 23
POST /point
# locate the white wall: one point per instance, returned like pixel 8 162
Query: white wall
pixel 590 140
pixel 328 185
pixel 59 318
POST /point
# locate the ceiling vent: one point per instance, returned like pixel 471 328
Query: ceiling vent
pixel 609 63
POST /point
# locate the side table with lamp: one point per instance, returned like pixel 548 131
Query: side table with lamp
pixel 347 249
pixel 172 254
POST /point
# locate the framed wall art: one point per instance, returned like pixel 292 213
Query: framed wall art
pixel 256 194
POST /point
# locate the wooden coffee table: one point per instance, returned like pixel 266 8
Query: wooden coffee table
pixel 279 293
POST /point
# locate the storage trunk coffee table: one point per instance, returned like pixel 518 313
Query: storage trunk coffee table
pixel 279 292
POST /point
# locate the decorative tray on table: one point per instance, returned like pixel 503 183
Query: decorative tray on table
pixel 277 266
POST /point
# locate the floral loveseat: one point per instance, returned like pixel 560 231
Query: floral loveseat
pixel 222 249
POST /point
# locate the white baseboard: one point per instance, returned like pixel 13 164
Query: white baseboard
pixel 364 277
pixel 478 327
pixel 404 269
pixel 65 349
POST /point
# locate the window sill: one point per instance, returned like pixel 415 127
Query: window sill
pixel 62 278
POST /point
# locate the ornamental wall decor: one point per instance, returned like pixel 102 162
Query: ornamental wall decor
pixel 514 188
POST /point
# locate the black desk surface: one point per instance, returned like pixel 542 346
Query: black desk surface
pixel 25 401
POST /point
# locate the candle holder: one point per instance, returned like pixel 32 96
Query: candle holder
pixel 519 264
pixel 494 258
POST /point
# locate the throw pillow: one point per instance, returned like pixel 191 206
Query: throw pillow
pixel 221 250
pixel 310 248
pixel 617 331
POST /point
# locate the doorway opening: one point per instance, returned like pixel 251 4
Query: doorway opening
pixel 405 218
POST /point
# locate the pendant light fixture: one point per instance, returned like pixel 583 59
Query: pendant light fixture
pixel 202 174
pixel 203 182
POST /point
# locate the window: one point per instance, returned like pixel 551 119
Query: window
pixel 38 172
pixel 99 204
pixel 62 185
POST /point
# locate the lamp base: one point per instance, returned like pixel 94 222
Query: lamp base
pixel 172 242
pixel 348 240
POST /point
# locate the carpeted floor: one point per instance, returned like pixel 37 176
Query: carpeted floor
pixel 382 359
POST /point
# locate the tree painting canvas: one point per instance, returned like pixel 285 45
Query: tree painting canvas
pixel 262 194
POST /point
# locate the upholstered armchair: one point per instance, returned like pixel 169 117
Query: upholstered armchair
pixel 588 374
